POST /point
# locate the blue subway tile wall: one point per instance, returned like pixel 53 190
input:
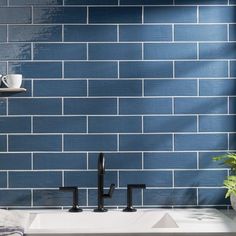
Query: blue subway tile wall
pixel 151 83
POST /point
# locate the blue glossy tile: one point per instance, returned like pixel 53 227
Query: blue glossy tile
pixel 201 2
pixel 90 142
pixel 170 51
pixel 117 160
pixel 3 179
pixel 35 2
pixel 88 179
pixel 115 124
pixel 15 198
pixel 145 33
pixel 224 123
pixel 200 33
pixel 150 69
pixel 54 198
pixel 171 87
pixel 200 105
pixel 90 106
pixel 12 51
pixel 232 32
pixel 232 2
pixel 233 68
pixel 164 124
pixel 217 50
pixel 35 33
pixel 150 178
pixel 212 196
pixel 115 51
pixel 90 33
pixel 232 105
pixel 3 143
pixel 23 143
pixel 3 33
pixel 118 198
pixel 60 124
pixel 200 178
pixel 206 160
pixel 91 70
pixel 145 106
pixel 15 161
pixel 3 68
pixel 60 51
pixel 47 161
pixel 221 87
pixel 15 15
pixel 201 142
pixel 3 106
pixel 203 69
pixel 115 15
pixel 217 14
pixel 146 2
pixel 37 69
pixel 34 106
pixel 15 124
pixel 115 88
pixel 232 142
pixel 3 2
pixel 34 179
pixel 91 2
pixel 65 88
pixel 60 15
pixel 170 160
pixel 170 14
pixel 170 197
pixel 145 142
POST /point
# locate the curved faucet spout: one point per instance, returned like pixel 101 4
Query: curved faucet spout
pixel 101 194
pixel 101 164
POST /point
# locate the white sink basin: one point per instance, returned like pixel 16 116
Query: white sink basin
pixel 85 220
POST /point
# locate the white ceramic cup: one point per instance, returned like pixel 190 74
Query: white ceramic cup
pixel 12 80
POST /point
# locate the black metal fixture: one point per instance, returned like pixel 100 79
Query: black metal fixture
pixel 101 195
pixel 130 207
pixel 75 204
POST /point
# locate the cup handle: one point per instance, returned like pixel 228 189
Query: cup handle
pixel 4 81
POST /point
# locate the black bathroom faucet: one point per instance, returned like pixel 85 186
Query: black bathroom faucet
pixel 130 187
pixel 101 195
pixel 75 205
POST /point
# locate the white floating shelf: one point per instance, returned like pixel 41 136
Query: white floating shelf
pixel 12 90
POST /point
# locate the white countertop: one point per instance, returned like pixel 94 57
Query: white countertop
pixel 145 221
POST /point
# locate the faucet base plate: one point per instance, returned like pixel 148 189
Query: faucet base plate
pixel 129 209
pixel 100 210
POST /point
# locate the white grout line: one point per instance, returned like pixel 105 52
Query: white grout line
pixel 173 178
pixel 198 161
pixel 32 124
pixel 63 69
pixel 142 14
pixel 62 105
pixel 197 197
pixel 62 143
pixel 87 14
pixel 63 178
pixel 32 160
pixel 7 179
pixel 118 33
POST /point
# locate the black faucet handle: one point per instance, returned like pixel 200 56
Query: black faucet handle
pixel 130 207
pixel 111 191
pixel 75 191
pixel 130 186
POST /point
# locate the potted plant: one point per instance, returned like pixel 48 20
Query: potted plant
pixel 229 160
